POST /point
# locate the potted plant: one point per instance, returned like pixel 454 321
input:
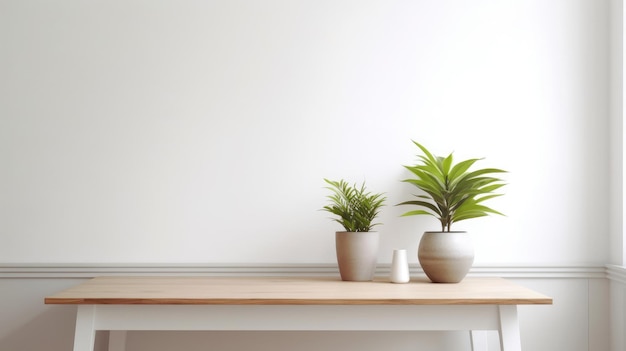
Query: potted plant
pixel 451 193
pixel 357 246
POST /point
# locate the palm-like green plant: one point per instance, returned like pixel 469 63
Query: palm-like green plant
pixel 453 192
pixel 355 206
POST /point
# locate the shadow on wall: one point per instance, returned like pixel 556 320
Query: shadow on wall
pixel 297 341
pixel 50 330
pixel 53 330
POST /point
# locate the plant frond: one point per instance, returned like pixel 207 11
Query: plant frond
pixel 355 207
pixel 451 192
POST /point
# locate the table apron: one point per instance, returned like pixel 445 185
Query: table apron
pixel 294 317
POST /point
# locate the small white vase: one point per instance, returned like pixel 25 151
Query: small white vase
pixel 399 267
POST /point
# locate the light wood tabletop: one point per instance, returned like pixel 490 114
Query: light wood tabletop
pixel 292 291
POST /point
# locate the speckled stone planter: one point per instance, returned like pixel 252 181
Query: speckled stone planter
pixel 446 257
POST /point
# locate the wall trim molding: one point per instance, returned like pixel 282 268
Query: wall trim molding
pixel 616 273
pixel 89 270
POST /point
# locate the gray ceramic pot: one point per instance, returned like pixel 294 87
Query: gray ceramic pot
pixel 357 253
pixel 446 257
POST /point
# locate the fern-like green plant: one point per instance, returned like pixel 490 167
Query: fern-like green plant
pixel 452 192
pixel 355 207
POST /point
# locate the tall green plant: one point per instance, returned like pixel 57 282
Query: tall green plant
pixel 452 192
pixel 355 206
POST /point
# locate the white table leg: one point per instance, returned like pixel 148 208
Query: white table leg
pixel 509 329
pixel 479 340
pixel 117 340
pixel 85 333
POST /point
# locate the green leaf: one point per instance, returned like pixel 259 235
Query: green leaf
pixel 461 167
pixel 446 164
pixel 416 212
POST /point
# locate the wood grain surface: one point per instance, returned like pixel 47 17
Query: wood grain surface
pixel 293 291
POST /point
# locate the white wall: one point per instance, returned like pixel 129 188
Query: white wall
pixel 616 98
pixel 199 132
pixel 194 131
pixel 617 273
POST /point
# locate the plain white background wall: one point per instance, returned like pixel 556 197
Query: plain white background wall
pixel 617 243
pixel 194 131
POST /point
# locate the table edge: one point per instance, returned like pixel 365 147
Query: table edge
pixel 287 301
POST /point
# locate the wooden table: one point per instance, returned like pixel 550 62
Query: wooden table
pixel 119 304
